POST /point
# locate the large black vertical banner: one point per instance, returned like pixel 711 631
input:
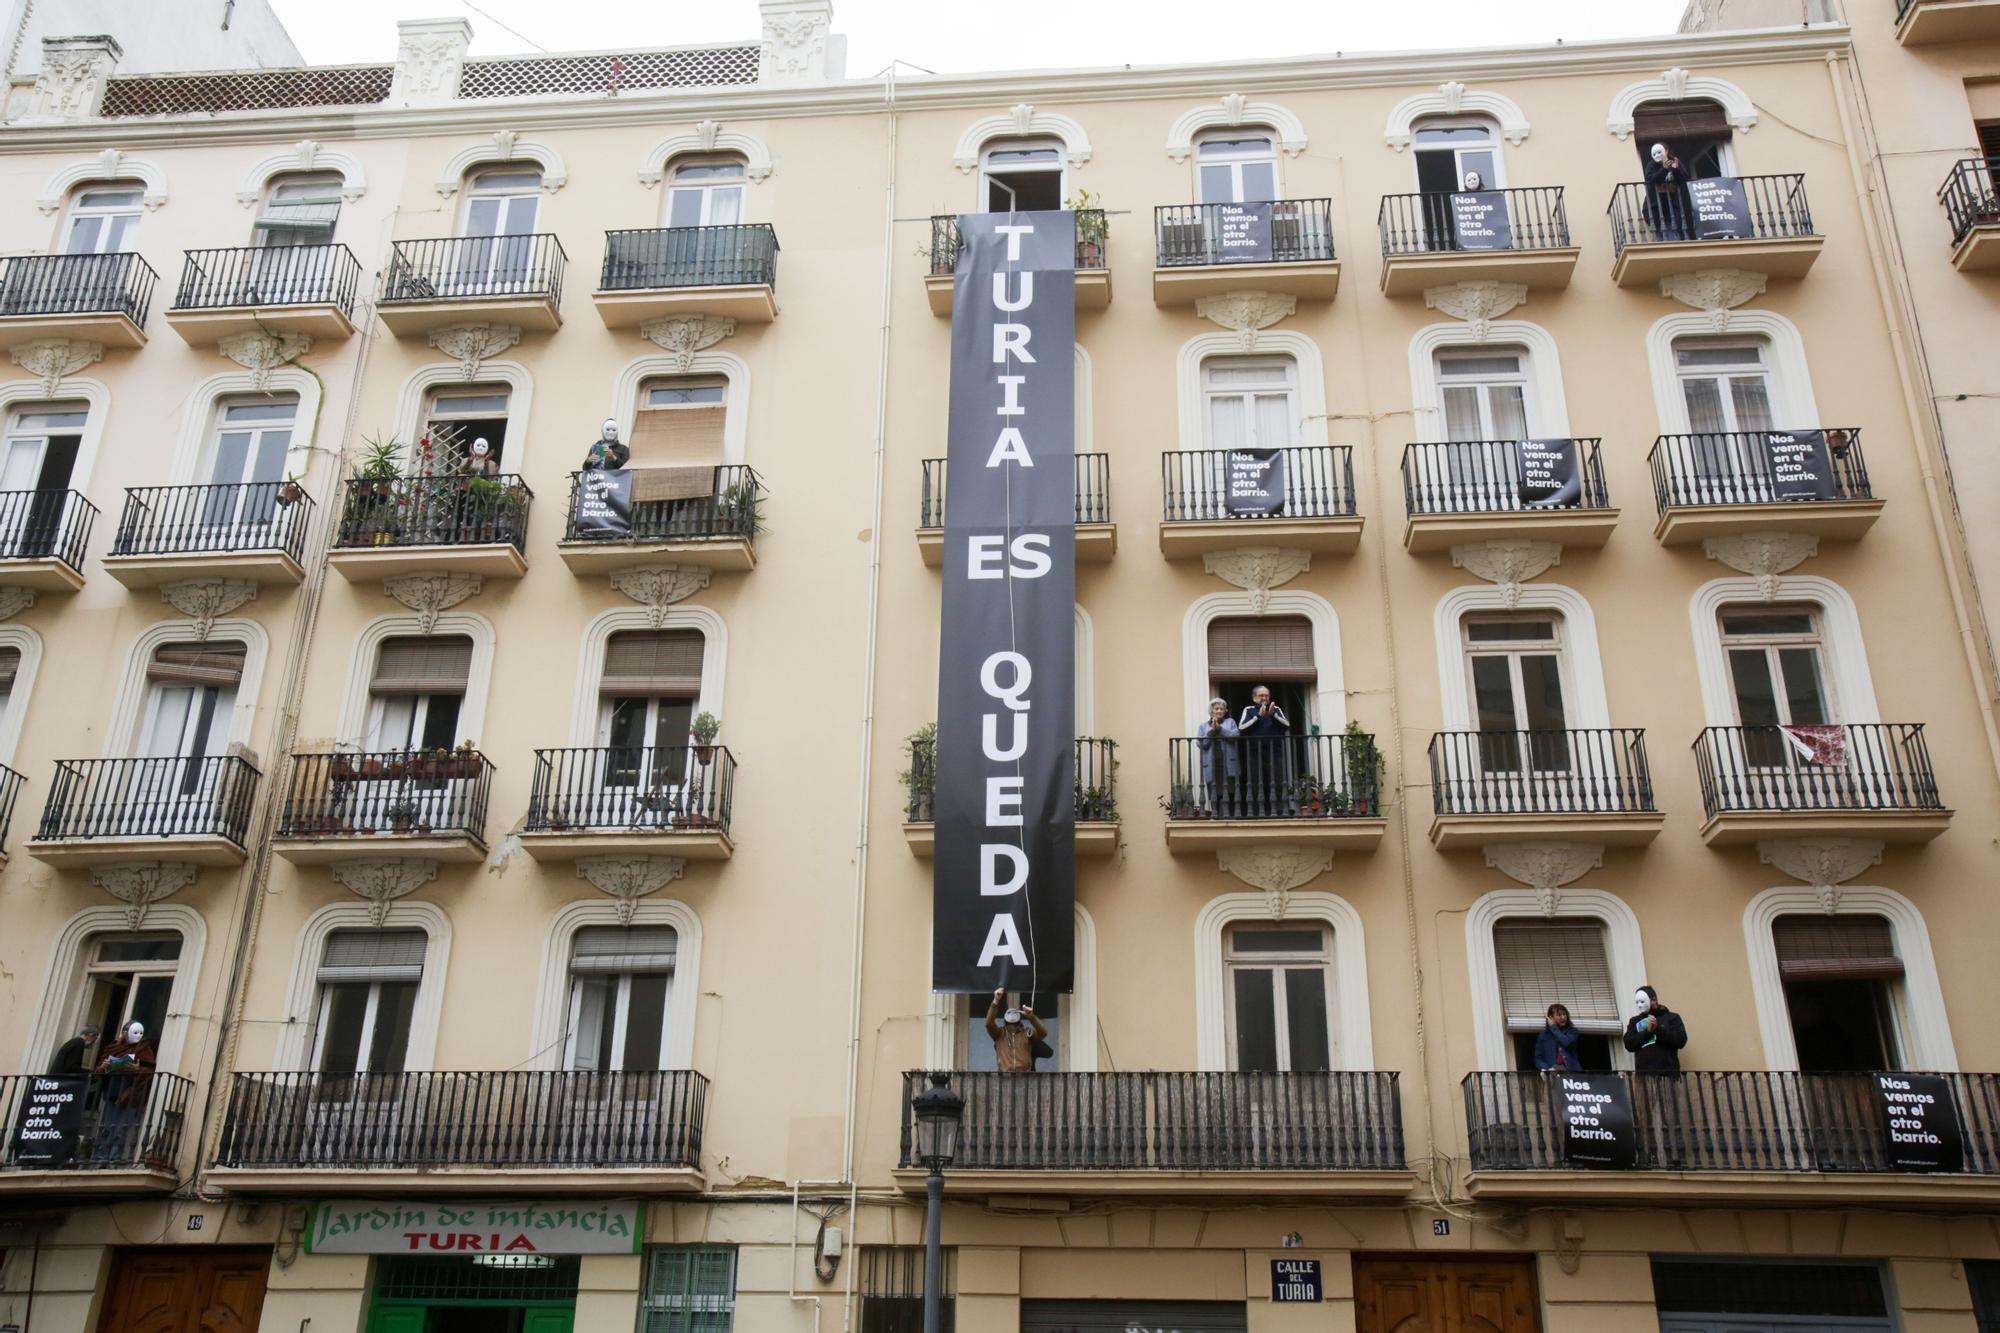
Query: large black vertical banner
pixel 1004 871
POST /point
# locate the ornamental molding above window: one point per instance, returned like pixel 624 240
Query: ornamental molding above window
pixel 1454 99
pixel 305 155
pixel 1230 111
pixel 503 146
pixel 706 136
pixel 1021 121
pixel 113 164
pixel 1678 85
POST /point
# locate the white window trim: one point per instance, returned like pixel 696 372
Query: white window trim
pixel 198 420
pixel 410 399
pixel 970 150
pixel 29 645
pixel 305 156
pixel 1844 655
pixel 1086 673
pixel 66 967
pixel 356 706
pixel 1622 951
pixel 122 735
pixel 503 146
pixel 1498 179
pixel 1926 1035
pixel 1233 112
pixel 1305 355
pixel 1677 85
pixel 1352 1032
pixel 1454 101
pixel 551 1025
pixel 294 1051
pixel 110 165
pixel 94 393
pixel 1008 142
pixel 736 397
pixel 709 137
pixel 1589 708
pixel 1548 405
pixel 950 1013
pixel 584 720
pixel 1330 687
pixel 1793 406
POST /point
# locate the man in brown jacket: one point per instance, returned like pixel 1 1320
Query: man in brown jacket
pixel 1014 1034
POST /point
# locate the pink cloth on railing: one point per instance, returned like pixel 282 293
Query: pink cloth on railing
pixel 1819 745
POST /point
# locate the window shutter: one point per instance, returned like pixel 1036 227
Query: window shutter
pixel 1559 963
pixel 432 665
pixel 601 949
pixel 1265 649
pixel 677 436
pixel 196 663
pixel 373 955
pixel 1678 124
pixel 659 662
pixel 10 667
pixel 1989 135
pixel 299 217
pixel 1828 948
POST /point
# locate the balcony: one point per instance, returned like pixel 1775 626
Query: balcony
pixel 1720 484
pixel 1930 22
pixel 1432 239
pixel 1534 786
pixel 102 811
pixel 498 279
pixel 630 801
pixel 105 1133
pixel 10 792
pixel 710 515
pixel 659 271
pixel 588 1133
pixel 1861 780
pixel 1209 249
pixel 1310 501
pixel 43 538
pixel 1322 790
pixel 1093 261
pixel 248 530
pixel 1768 230
pixel 433 525
pixel 1481 490
pixel 98 298
pixel 1095 811
pixel 1336 1134
pixel 348 806
pixel 1096 534
pixel 306 289
pixel 1728 1137
pixel 1970 197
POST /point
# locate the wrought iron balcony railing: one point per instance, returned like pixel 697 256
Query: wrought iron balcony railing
pixel 1275 777
pixel 45 525
pixel 510 1118
pixel 1641 215
pixel 1096 781
pixel 471 267
pixel 1319 483
pixel 727 505
pixel 116 1122
pixel 222 519
pixel 1488 477
pixel 1724 1121
pixel 1597 771
pixel 1857 766
pixel 1189 234
pixel 1093 491
pixel 1093 232
pixel 391 793
pixel 655 258
pixel 206 796
pixel 1754 467
pixel 1970 195
pixel 269 275
pixel 1332 1121
pixel 10 792
pixel 117 284
pixel 1431 223
pixel 435 511
pixel 669 788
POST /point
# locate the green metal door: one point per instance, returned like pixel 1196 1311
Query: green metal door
pixel 396 1319
pixel 547 1321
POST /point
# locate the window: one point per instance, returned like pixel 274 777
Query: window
pixel 892 1289
pixel 128 978
pixel 299 210
pixel 705 194
pixel 454 418
pixel 247 457
pixel 689 1289
pixel 1236 167
pixel 1725 386
pixel 1842 978
pixel 1250 404
pixel 1767 1296
pixel 1456 156
pixel 1485 394
pixel 1983 1275
pixel 1697 132
pixel 10 670
pixel 190 695
pixel 104 220
pixel 1515 668
pixel 1279 997
pixel 1021 176
pixel 977 1044
pixel 501 207
pixel 621 988
pixel 677 437
pixel 367 993
pixel 1777 676
pixel 39 456
pixel 1272 651
pixel 1541 963
pixel 647 697
pixel 417 692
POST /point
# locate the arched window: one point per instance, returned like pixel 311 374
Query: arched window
pixel 454 417
pixel 1517 669
pixel 1022 175
pixel 368 982
pixel 1236 166
pixel 502 206
pixel 1696 131
pixel 705 192
pixel 1777 677
pixel 1563 961
pixel 1454 155
pixel 37 458
pixel 104 219
pixel 1250 402
pixel 620 998
pixel 1278 996
pixel 299 210
pixel 1487 393
pixel 417 693
pixel 1843 982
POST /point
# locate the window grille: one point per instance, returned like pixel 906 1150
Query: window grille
pixel 541 76
pixel 248 90
pixel 689 1289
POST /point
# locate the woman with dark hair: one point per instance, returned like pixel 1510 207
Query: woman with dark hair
pixel 1555 1047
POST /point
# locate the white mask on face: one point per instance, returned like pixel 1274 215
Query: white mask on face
pixel 1659 152
pixel 1641 1002
pixel 610 429
pixel 135 1033
pixel 481 448
pixel 1011 1017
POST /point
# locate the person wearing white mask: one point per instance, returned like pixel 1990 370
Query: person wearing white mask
pixel 1654 1034
pixel 607 451
pixel 1666 194
pixel 126 1068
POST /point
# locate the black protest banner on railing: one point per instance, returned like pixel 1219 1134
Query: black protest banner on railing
pixel 1801 467
pixel 1594 1116
pixel 1256 482
pixel 1550 478
pixel 1920 1122
pixel 51 1121
pixel 1243 233
pixel 1479 219
pixel 603 503
pixel 1721 208
pixel 1004 883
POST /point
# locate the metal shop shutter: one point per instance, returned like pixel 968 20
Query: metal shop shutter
pixel 1124 1316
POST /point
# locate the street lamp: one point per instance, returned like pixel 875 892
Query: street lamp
pixel 937 1109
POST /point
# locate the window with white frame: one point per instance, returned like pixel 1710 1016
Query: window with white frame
pixel 1725 385
pixel 705 192
pixel 1516 670
pixel 1487 393
pixel 689 1289
pixel 1544 963
pixel 368 982
pixel 1022 175
pixel 501 208
pixel 679 424
pixel 37 460
pixel 621 992
pixel 456 416
pixel 1457 155
pixel 299 210
pixel 647 697
pixel 1278 992
pixel 1843 980
pixel 1236 166
pixel 104 219
pixel 1250 402
pixel 1274 652
pixel 127 978
pixel 417 692
pixel 1777 676
pixel 190 698
pixel 1696 131
pixel 246 465
pixel 10 670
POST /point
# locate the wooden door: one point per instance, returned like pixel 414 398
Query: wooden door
pixel 185 1290
pixel 1486 1295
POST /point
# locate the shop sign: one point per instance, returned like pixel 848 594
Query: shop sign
pixel 375 1226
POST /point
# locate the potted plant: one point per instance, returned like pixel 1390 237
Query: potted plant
pixel 920 778
pixel 741 509
pixel 289 491
pixel 703 730
pixel 1093 228
pixel 1309 796
pixel 1181 804
pixel 374 492
pixel 462 762
pixel 1364 769
pixel 1096 805
pixel 402 815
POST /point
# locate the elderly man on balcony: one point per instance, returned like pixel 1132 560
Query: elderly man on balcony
pixel 1016 1033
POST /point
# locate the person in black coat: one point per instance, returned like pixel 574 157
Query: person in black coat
pixel 607 451
pixel 1266 735
pixel 72 1057
pixel 1666 194
pixel 1654 1034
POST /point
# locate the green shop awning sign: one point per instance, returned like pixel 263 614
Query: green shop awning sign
pixel 373 1226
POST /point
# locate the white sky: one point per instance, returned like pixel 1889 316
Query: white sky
pixel 954 36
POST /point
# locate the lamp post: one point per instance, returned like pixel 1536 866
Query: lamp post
pixel 937 1109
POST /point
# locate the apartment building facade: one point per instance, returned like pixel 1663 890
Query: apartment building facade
pixel 522 869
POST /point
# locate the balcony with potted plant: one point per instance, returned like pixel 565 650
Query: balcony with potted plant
pixel 1095 805
pixel 612 800
pixel 349 805
pixel 1096 533
pixel 1093 256
pixel 439 519
pixel 1251 791
pixel 709 515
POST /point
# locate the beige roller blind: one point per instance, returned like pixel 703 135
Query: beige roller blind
pixel 1564 963
pixel 373 955
pixel 646 663
pixel 1679 123
pixel 435 664
pixel 193 663
pixel 602 949
pixel 1266 648
pixel 1813 948
pixel 681 435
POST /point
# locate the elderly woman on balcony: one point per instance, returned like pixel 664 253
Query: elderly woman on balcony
pixel 1221 762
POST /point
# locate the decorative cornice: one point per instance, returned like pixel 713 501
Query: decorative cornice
pixel 1715 290
pixel 473 344
pixel 1277 870
pixel 1021 121
pixel 1545 866
pixel 1678 85
pixel 682 336
pixel 261 352
pixel 503 146
pixel 1823 863
pixel 431 595
pixel 1246 313
pixel 1477 303
pixel 1452 98
pixel 1232 109
pixel 1257 570
pixel 110 164
pixel 140 884
pixel 1506 561
pixel 707 136
pixel 14 600
pixel 795 40
pixel 381 882
pixel 52 360
pixel 1762 555
pixel 305 155
pixel 657 587
pixel 206 600
pixel 627 879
